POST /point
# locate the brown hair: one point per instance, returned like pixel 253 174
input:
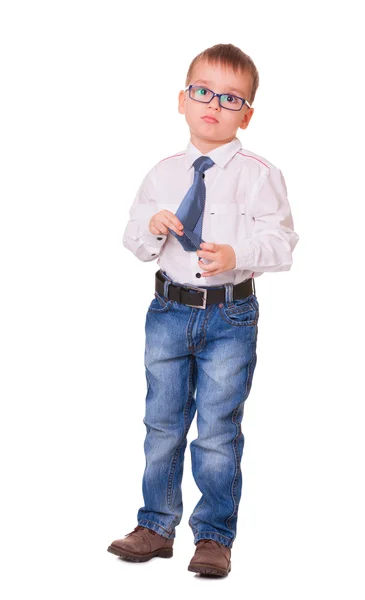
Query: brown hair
pixel 228 55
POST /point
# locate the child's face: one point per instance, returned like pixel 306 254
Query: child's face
pixel 221 80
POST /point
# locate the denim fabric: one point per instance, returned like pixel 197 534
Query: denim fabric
pixel 203 361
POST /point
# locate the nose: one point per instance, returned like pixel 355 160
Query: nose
pixel 215 102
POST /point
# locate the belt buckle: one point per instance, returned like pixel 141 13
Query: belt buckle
pixel 205 292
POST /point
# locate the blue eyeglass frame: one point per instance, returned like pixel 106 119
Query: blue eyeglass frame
pixel 219 97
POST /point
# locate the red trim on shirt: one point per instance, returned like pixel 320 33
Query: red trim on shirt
pixel 173 156
pixel 249 155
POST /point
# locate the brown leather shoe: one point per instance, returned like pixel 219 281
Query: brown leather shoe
pixel 211 558
pixel 142 544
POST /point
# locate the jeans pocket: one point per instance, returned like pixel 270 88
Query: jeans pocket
pixel 241 312
pixel 160 303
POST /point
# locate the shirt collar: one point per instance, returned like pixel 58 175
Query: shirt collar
pixel 221 155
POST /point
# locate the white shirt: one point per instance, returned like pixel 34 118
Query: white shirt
pixel 246 206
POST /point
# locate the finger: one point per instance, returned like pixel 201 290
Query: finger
pixel 205 254
pixel 158 227
pixel 211 267
pixel 172 225
pixel 209 246
pixel 153 229
pixel 212 273
pixel 162 224
pixel 174 220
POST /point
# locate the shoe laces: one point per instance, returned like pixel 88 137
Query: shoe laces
pixel 138 528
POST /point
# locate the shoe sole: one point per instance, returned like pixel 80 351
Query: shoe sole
pixel 209 570
pixel 163 553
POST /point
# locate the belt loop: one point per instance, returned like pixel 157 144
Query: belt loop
pixel 166 284
pixel 228 287
pixel 166 288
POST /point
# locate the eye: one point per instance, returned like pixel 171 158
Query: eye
pixel 230 99
pixel 200 91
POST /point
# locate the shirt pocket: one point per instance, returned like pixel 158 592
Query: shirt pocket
pixel 227 222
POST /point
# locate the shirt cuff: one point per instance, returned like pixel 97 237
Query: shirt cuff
pixel 153 243
pixel 244 255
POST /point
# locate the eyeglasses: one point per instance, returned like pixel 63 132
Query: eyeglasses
pixel 203 94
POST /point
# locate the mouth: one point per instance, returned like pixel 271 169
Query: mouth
pixel 209 119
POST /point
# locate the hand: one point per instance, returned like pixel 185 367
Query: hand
pixel 161 221
pixel 223 258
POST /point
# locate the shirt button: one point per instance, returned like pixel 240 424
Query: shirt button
pixel 159 238
pixel 153 254
pixel 203 175
pixel 198 275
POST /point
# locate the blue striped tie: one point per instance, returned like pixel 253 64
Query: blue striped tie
pixel 191 209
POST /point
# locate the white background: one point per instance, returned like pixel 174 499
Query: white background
pixel 76 141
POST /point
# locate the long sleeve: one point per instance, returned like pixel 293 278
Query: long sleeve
pixel 137 237
pixel 273 237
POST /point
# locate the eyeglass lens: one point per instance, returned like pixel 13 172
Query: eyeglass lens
pixel 226 100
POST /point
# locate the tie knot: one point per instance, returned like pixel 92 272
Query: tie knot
pixel 203 163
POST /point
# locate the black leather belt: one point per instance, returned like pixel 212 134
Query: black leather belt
pixel 201 297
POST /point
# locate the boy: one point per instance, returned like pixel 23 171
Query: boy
pixel 216 217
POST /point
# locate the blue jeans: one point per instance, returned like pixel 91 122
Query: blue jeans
pixel 196 360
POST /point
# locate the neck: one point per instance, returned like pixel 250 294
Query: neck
pixel 206 146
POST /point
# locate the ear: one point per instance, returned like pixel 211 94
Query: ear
pixel 246 119
pixel 181 102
